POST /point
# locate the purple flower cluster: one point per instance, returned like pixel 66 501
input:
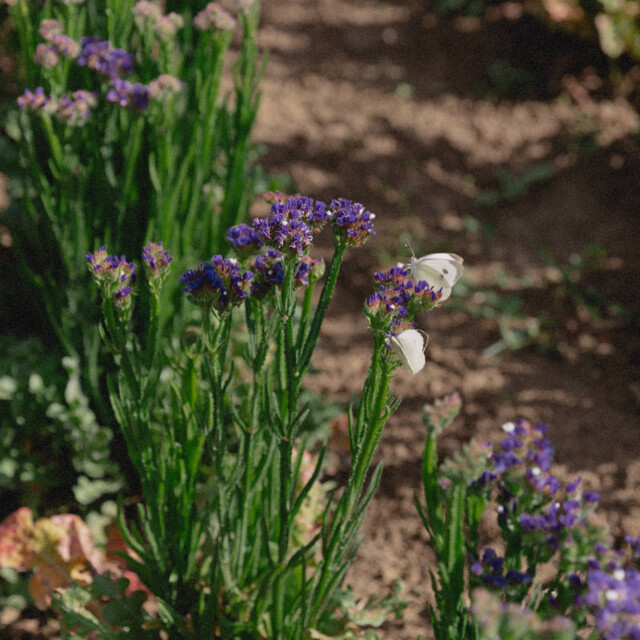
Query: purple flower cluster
pixel 352 221
pixel 268 269
pixel 59 44
pixel 291 223
pixel 34 100
pixel 128 94
pixel 308 269
pixel 156 258
pixel 149 15
pixel 244 239
pixel 398 298
pixel 612 595
pixel 491 571
pixel 219 284
pixel 114 275
pixel 76 109
pixel 100 55
pixel 269 273
pixel 213 16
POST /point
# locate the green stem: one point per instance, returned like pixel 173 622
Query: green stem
pixel 321 309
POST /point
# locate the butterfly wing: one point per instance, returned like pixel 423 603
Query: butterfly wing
pixel 409 346
pixel 440 270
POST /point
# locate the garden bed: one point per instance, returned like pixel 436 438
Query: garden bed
pixel 505 142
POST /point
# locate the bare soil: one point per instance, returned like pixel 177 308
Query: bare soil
pixel 411 114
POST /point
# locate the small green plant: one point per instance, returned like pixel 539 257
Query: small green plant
pixel 513 187
pixel 54 451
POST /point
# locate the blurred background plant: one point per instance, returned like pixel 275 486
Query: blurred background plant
pixel 133 122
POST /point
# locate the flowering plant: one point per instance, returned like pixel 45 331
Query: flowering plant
pixel 123 133
pixel 552 557
pixel 236 532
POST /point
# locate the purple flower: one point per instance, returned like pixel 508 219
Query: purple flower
pixel 351 221
pixel 286 227
pixel 398 298
pixel 157 262
pixel 75 110
pixel 213 16
pixel 219 284
pixel 64 45
pixel 100 55
pixel 128 94
pixel 244 239
pixel 115 276
pixel 269 273
pixel 35 101
pixel 46 55
pixel 308 269
pixel 163 86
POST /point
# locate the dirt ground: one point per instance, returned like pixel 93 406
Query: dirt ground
pixel 415 115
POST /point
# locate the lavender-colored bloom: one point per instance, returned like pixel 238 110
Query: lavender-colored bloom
pixel 65 45
pixel 504 461
pixel 100 55
pixel 115 276
pixel 269 273
pixel 75 110
pixel 156 258
pixel 127 94
pixel 34 100
pixel 163 86
pixel 49 27
pixel 244 239
pixel 46 55
pixel 572 487
pixel 591 497
pixel 308 269
pixel 285 228
pixel 149 15
pixel 351 221
pixel 213 16
pixel 219 284
pixel 398 298
pixel 613 598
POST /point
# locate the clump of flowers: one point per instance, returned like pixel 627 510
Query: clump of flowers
pixel 219 284
pixel 101 56
pixel 115 276
pixel 76 109
pixel 269 272
pixel 35 100
pixel 287 227
pixel 611 593
pixel 128 94
pixel 244 239
pixel 148 15
pixel 398 298
pixel 541 519
pixel 213 16
pixel 157 262
pixel 352 221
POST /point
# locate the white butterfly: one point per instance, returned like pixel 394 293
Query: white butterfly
pixel 440 270
pixel 409 346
